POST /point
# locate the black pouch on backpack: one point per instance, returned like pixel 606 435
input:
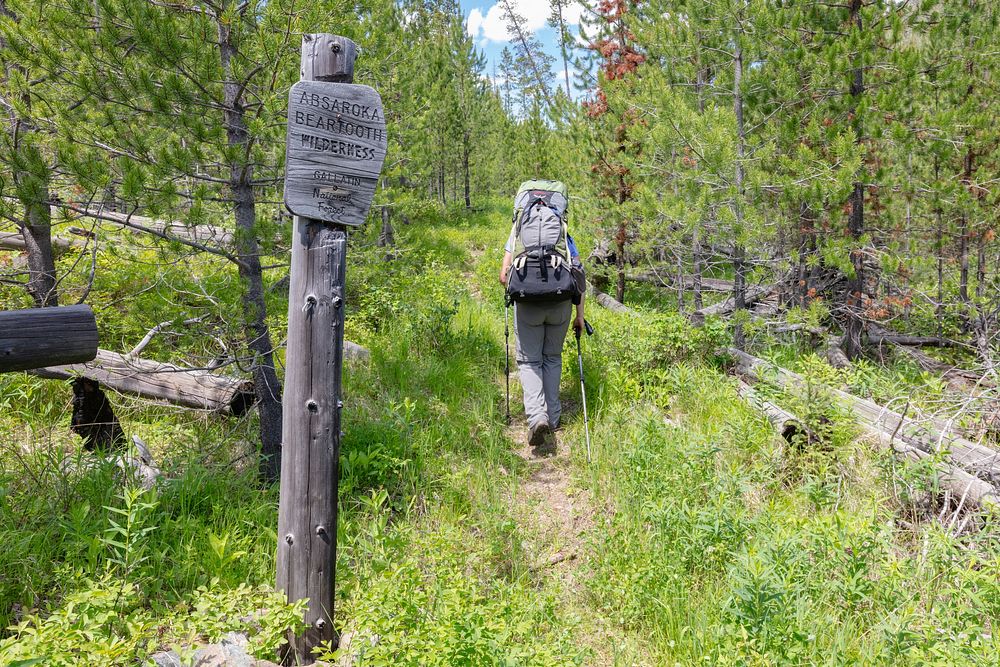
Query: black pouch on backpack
pixel 536 280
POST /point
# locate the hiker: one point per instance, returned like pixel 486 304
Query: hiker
pixel 544 278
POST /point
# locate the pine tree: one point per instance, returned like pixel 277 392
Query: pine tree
pixel 26 152
pixel 613 118
pixel 190 113
pixel 558 20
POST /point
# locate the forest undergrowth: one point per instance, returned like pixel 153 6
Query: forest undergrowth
pixel 712 540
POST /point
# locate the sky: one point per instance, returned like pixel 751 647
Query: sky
pixel 484 22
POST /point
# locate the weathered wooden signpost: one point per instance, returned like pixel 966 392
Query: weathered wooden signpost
pixel 46 337
pixel 336 146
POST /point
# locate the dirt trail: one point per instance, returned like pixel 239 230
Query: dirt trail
pixel 554 514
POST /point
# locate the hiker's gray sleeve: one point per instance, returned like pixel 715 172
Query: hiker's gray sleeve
pixel 509 247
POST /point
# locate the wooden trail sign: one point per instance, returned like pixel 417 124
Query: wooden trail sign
pixel 336 146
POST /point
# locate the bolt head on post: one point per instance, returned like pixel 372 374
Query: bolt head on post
pixel 327 57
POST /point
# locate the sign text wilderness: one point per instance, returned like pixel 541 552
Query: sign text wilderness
pixel 336 146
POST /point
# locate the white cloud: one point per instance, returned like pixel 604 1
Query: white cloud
pixel 573 13
pixel 474 22
pixel 492 27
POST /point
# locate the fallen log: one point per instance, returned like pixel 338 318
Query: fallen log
pixel 953 478
pixel 929 436
pixel 766 307
pixel 687 282
pixel 14 241
pixel 959 482
pixel 809 329
pixel 958 379
pixel 607 301
pixel 835 354
pixel 785 423
pixel 199 233
pixel 39 337
pixel 186 387
pixel 728 305
pixel 879 335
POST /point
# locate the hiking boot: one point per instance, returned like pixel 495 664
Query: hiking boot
pixel 539 432
pixel 548 446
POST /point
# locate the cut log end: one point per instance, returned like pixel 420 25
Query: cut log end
pixel 39 337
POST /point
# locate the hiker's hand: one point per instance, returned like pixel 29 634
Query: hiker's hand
pixel 508 259
pixel 578 325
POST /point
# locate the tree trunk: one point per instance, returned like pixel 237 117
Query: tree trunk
pixel 939 241
pixel 963 260
pixel 696 249
pixel 562 46
pixel 739 252
pixel 385 237
pixel 620 262
pixel 854 306
pixel 465 168
pixel 981 266
pixel 696 277
pixel 31 186
pixel 963 241
pixel 680 283
pixel 266 383
pixel 37 234
pixel 807 240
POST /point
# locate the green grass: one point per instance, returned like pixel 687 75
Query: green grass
pixel 713 543
pixel 428 557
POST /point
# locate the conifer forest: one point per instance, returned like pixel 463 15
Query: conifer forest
pixel 780 446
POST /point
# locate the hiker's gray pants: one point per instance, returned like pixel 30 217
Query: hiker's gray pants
pixel 540 330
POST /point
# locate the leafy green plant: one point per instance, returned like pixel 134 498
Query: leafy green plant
pixel 127 537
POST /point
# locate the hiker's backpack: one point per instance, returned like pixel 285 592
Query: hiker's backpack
pixel 541 270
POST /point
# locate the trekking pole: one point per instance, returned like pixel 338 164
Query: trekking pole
pixel 506 349
pixel 583 387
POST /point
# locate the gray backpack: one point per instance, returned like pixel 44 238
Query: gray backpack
pixel 541 269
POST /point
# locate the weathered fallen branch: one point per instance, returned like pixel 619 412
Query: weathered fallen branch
pixel 951 477
pixel 39 337
pixel 140 465
pixel 687 282
pixel 607 301
pixel 159 381
pixel 728 305
pixel 197 233
pixel 835 354
pixel 928 436
pixel 14 241
pixel 785 423
pixel 878 335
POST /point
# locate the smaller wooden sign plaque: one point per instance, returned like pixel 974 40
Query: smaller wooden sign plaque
pixel 335 148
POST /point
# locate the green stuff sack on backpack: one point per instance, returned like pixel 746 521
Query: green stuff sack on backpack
pixel 541 270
